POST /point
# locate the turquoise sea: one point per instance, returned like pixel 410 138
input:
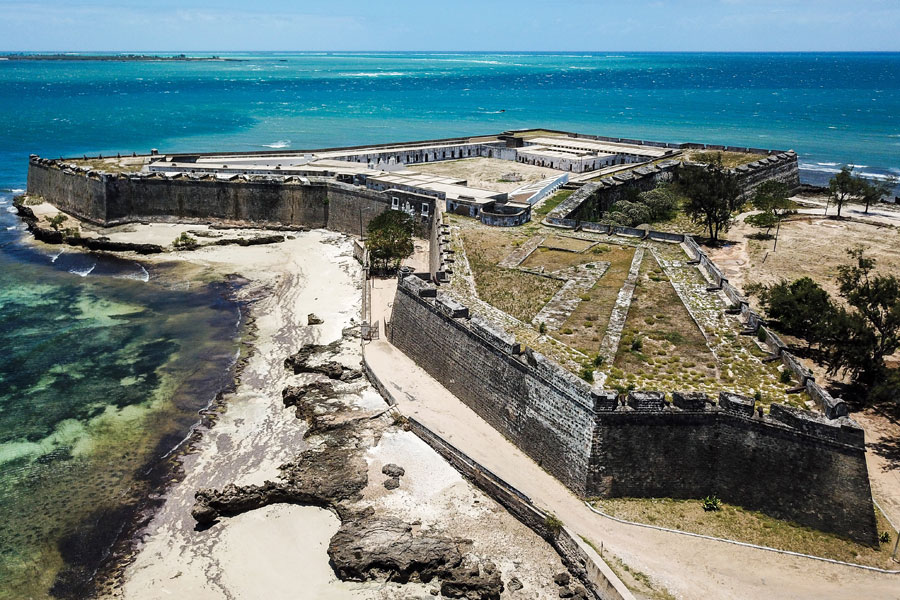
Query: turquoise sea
pixel 106 363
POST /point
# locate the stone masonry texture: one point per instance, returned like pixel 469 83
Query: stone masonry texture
pixel 793 465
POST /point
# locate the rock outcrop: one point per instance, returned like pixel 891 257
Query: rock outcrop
pixel 299 363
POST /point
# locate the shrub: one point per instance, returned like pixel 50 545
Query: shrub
pixel 761 335
pixel 757 396
pixel 598 360
pixel 542 328
pixel 567 331
pixel 674 337
pixel 553 524
pixel 185 242
pixel 785 376
pixel 57 220
pixel 712 504
pixel 637 344
pixel 587 374
pixel 390 239
pixel 885 537
pixel 585 298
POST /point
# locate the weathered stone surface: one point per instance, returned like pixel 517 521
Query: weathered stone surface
pixel 327 475
pixel 514 584
pixel 392 483
pixel 299 363
pixel 473 581
pixel 562 578
pixel 392 470
pixel 312 319
pixel 386 549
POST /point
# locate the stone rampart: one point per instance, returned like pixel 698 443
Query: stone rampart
pixel 112 199
pixel 545 410
pixel 792 464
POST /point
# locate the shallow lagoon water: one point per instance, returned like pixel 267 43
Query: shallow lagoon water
pixel 103 372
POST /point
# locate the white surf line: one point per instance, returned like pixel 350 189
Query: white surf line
pixel 745 544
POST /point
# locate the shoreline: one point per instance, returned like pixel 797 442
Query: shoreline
pixel 251 432
pixel 112 535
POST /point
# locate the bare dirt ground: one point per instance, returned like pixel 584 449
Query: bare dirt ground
pixel 486 173
pixel 814 246
pixel 124 164
pixel 809 245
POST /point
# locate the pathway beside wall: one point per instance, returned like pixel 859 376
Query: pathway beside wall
pixel 699 569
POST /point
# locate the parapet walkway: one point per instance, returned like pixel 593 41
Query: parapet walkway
pixel 688 567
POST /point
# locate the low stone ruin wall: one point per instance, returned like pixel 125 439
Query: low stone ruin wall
pixel 594 199
pixel 754 323
pixel 792 464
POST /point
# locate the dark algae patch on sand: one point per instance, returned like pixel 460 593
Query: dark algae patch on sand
pixel 101 377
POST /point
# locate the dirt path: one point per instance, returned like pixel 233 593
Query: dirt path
pixel 883 460
pixel 687 567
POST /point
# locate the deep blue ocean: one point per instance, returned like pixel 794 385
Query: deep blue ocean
pixel 831 108
pixel 104 367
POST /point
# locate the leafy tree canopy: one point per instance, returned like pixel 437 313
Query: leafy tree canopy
pixel 713 194
pixel 390 238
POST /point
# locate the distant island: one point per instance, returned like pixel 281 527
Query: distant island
pixel 114 57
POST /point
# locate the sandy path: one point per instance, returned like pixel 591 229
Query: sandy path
pixel 688 567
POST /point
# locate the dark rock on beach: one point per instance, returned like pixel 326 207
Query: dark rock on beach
pixel 312 319
pixel 386 548
pixel 473 580
pixel 299 363
pixel 392 470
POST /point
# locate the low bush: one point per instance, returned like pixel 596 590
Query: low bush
pixel 185 242
pixel 712 504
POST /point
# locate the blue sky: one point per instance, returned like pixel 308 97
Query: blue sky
pixel 493 25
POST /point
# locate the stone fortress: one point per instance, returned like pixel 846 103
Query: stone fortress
pixel 799 465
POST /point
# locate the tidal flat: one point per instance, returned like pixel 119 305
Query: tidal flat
pixel 103 375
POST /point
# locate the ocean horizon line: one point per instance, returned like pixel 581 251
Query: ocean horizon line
pixel 445 51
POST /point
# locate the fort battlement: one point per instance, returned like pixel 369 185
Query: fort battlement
pixel 790 463
pixel 115 198
pixel 589 202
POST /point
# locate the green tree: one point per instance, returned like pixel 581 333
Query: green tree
pixel 663 202
pixel 713 194
pixel 390 239
pixel 801 308
pixel 842 187
pixel 872 192
pixel 773 201
pixel 861 336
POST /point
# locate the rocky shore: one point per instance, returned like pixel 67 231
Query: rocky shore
pixel 300 470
